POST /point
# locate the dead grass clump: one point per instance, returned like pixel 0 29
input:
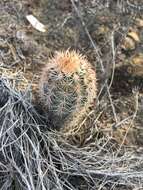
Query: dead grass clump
pixel 33 157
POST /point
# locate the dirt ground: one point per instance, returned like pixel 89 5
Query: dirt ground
pixel 109 33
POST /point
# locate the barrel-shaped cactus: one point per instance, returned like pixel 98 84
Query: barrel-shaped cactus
pixel 67 86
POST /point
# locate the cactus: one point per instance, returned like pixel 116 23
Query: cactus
pixel 67 87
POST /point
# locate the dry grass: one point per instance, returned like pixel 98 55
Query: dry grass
pixel 34 157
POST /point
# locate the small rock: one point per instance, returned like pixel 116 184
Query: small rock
pixel 128 44
pixel 139 22
pixel 134 36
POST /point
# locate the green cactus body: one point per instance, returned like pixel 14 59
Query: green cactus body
pixel 67 88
